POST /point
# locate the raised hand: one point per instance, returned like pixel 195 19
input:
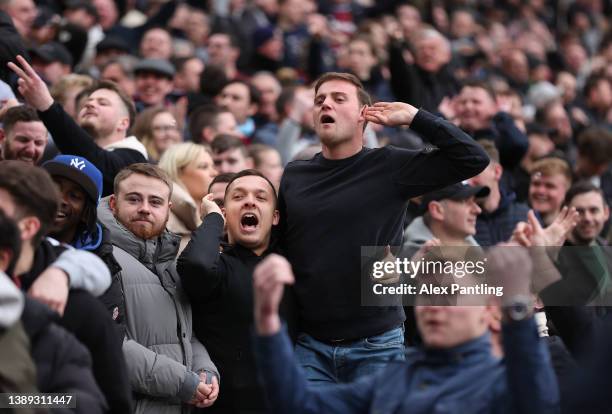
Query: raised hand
pixel 269 279
pixel 31 86
pixel 390 113
pixel 209 206
pixel 561 227
pixel 531 233
pixel 509 265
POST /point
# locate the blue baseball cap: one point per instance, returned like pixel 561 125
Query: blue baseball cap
pixel 79 170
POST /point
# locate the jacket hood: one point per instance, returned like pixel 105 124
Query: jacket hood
pixel 417 233
pixel 130 142
pixel 11 301
pixel 148 252
pixel 184 208
pixel 89 241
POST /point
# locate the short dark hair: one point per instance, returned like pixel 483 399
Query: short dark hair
pixel 142 168
pixel 128 103
pixel 202 117
pixel 233 39
pixel 21 113
pixel 254 94
pixel 256 150
pixel 251 172
pixel 595 143
pixel 583 187
pixel 221 178
pixel 592 82
pixel 10 239
pixel 33 192
pixel 286 97
pixel 362 95
pixel 226 142
pixel 482 84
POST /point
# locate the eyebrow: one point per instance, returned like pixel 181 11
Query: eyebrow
pixel 333 94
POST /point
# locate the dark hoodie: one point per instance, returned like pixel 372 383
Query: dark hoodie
pixel 86 318
pixel 496 227
pixel 63 365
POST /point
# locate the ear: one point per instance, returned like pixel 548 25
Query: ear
pixel 275 218
pixel 436 210
pixel 499 170
pixel 207 135
pixel 29 227
pixel 494 315
pixel 123 124
pixel 2 135
pixel 362 113
pixel 253 109
pixel 606 213
pixel 112 203
pixel 5 259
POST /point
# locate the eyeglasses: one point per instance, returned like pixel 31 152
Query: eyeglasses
pixel 165 128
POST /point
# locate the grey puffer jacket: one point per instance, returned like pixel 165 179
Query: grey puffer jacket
pixel 162 355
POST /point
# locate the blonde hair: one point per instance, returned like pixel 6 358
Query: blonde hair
pixel 552 166
pixel 60 89
pixel 178 156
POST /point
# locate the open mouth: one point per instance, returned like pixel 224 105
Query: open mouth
pixel 326 119
pixel 60 215
pixel 249 221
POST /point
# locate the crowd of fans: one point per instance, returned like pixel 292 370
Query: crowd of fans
pixel 186 188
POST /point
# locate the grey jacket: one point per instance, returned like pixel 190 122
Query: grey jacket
pixel 417 233
pixel 162 355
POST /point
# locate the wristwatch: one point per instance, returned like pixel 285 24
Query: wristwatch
pixel 517 308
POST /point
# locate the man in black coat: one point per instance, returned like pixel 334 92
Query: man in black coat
pixel 219 284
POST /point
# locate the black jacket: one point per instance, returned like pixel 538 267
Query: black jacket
pixel 220 288
pixel 87 318
pixel 411 84
pixel 70 138
pixel 63 365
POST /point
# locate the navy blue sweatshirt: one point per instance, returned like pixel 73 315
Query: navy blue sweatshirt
pixel 331 208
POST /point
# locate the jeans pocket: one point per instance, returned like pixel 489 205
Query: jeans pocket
pixel 390 339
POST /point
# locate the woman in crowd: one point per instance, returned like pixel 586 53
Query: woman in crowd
pixel 192 169
pixel 158 130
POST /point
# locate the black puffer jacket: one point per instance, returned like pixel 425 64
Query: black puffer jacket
pixel 63 364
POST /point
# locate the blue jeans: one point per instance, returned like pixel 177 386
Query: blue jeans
pixel 325 363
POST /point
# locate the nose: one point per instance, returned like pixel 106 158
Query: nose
pixel 30 148
pixel 144 208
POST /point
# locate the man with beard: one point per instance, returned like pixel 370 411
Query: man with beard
pixel 168 368
pixel 103 123
pixel 23 136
